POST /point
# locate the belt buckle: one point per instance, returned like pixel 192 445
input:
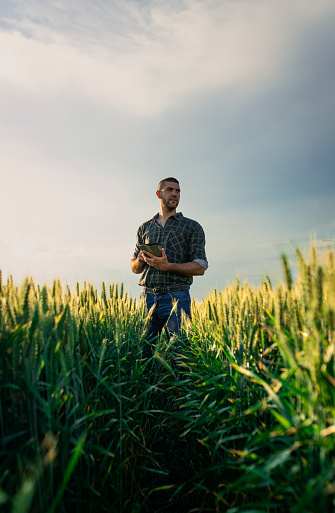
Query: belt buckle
pixel 156 290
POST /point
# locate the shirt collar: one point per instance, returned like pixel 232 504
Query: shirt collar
pixel 177 216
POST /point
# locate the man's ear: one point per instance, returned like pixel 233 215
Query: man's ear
pixel 158 194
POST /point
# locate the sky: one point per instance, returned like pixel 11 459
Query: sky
pixel 101 100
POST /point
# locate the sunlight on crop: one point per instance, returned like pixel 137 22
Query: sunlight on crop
pixel 246 403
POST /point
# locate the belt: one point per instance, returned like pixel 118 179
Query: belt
pixel 165 290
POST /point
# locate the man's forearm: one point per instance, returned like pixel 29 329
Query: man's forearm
pixel 137 265
pixel 162 263
pixel 186 269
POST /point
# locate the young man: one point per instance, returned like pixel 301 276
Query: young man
pixel 168 277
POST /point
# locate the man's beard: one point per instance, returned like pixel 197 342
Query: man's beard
pixel 170 206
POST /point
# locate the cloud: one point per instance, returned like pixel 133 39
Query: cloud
pixel 48 257
pixel 142 59
pixel 37 245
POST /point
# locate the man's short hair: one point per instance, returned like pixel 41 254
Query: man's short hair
pixel 168 179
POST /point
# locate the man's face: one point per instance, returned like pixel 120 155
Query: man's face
pixel 170 195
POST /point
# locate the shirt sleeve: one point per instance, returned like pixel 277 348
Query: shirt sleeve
pixel 138 242
pixel 197 246
pixel 203 263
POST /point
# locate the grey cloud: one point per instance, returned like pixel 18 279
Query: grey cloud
pixel 169 50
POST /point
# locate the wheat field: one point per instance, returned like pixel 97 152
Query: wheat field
pixel 239 419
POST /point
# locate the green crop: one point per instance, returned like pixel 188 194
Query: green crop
pixel 239 419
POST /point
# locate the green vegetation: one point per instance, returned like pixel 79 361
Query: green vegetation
pixel 243 423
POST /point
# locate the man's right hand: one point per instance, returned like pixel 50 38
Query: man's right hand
pixel 137 264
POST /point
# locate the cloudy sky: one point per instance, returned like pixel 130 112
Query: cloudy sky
pixel 100 100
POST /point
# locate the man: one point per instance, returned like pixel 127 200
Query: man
pixel 168 277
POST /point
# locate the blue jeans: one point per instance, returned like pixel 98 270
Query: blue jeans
pixel 161 315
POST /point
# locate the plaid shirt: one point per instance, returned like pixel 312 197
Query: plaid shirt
pixel 183 241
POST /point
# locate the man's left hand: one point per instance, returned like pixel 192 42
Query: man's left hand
pixel 157 262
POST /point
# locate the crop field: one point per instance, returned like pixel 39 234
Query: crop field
pixel 237 415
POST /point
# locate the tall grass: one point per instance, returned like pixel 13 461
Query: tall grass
pixel 72 383
pixel 262 393
pixel 246 423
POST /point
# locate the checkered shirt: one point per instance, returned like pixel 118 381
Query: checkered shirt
pixel 183 241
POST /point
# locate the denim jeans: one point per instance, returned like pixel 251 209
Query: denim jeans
pixel 161 315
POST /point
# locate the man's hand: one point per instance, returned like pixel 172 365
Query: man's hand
pixel 185 269
pixel 137 264
pixel 161 263
pixel 157 262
